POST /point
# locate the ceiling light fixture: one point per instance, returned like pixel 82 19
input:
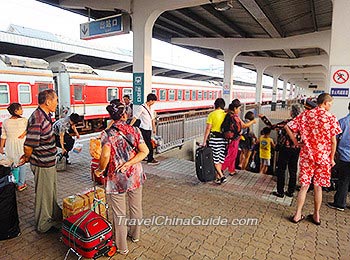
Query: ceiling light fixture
pixel 222 6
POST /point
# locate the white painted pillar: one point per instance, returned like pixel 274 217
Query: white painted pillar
pixel 259 85
pixel 274 92
pixel 339 50
pixel 291 90
pixel 284 93
pixel 228 77
pixel 142 24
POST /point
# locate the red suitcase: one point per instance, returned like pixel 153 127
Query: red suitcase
pixel 94 165
pixel 88 234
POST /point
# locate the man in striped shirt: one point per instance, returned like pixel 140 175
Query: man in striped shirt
pixel 40 151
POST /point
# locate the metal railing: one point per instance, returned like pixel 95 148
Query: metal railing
pixel 176 129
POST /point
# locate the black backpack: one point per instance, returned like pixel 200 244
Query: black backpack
pixel 231 127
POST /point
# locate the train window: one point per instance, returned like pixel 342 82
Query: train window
pixel 194 95
pixel 162 94
pixel 187 95
pixel 215 95
pixel 210 95
pixel 42 86
pixel 205 95
pixel 127 91
pixel 199 95
pixel 4 94
pixel 24 95
pixel 179 94
pixel 154 91
pixel 112 93
pixel 171 95
pixel 78 92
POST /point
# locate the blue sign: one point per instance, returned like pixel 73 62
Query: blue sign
pixel 339 92
pixel 138 88
pixel 109 26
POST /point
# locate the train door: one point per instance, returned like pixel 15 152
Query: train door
pixel 78 99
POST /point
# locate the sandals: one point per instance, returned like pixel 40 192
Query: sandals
pixel 312 220
pixel 123 252
pixel 291 219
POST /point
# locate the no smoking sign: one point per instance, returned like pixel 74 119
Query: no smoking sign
pixel 340 76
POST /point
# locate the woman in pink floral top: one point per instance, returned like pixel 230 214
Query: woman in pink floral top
pixel 123 149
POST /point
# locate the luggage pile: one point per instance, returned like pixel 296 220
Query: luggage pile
pixel 86 230
pixel 77 203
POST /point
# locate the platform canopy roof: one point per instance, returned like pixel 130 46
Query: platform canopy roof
pixel 236 19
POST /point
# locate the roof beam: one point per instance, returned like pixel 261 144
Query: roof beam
pixel 169 28
pixel 313 14
pixel 182 75
pixel 178 21
pixel 116 67
pixel 204 22
pixel 159 71
pixel 265 21
pixel 222 18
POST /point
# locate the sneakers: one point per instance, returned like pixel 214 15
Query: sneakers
pixel 333 206
pixel 223 179
pixel 22 187
pixel 153 162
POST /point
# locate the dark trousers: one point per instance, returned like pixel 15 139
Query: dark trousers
pixel 343 183
pixel 147 134
pixel 287 157
pixel 68 142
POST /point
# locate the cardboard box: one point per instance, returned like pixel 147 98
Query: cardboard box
pixel 82 201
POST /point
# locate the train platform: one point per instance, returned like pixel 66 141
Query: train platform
pixel 236 220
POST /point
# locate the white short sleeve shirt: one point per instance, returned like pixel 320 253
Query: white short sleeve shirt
pixel 146 115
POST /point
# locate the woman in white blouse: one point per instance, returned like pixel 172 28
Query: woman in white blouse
pixel 13 135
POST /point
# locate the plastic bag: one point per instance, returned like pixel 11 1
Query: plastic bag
pixel 77 147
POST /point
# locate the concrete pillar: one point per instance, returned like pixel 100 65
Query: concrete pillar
pixel 259 85
pixel 142 24
pixel 284 93
pixel 228 77
pixel 291 90
pixel 274 93
pixel 339 52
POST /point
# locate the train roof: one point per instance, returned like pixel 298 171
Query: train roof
pixel 71 67
pixel 22 62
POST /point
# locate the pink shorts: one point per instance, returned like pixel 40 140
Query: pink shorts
pixel 321 173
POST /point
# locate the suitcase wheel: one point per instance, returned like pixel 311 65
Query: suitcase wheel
pixel 111 251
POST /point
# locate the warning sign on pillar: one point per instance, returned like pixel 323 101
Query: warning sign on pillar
pixel 340 81
pixel 226 89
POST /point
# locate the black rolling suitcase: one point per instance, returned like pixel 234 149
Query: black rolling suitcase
pixel 9 226
pixel 204 164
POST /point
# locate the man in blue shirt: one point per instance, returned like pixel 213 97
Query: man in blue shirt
pixel 343 165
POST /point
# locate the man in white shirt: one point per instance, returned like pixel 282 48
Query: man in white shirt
pixel 147 126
